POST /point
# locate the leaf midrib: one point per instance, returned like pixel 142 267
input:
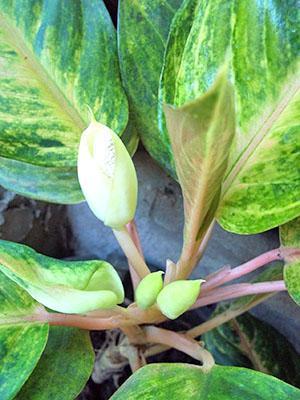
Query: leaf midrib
pixel 202 194
pixel 32 317
pixel 248 348
pixel 16 40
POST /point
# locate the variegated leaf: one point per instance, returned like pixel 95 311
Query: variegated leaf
pixel 201 134
pixel 189 382
pixel 247 342
pixel 21 341
pixel 143 28
pixel 65 286
pixel 262 184
pixel 56 57
pixel 290 237
pixel 65 366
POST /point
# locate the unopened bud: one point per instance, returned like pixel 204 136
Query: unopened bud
pixel 178 296
pixel 148 289
pixel 107 176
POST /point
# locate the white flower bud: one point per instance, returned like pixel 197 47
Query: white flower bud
pixel 107 176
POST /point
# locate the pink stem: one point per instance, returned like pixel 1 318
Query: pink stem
pixel 204 242
pixel 78 321
pixel 226 275
pixel 191 254
pixel 180 342
pixel 170 274
pixel 215 279
pixel 82 322
pixel 238 290
pixel 132 230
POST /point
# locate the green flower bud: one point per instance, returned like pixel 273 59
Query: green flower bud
pixel 148 289
pixel 178 297
pixel 107 176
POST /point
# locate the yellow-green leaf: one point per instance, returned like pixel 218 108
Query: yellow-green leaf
pixel 290 237
pixel 21 342
pixel 65 286
pixel 57 57
pixel 262 183
pixel 189 382
pixel 65 366
pixel 201 134
pixel 143 28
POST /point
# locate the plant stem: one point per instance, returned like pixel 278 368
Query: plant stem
pixel 191 254
pixel 83 322
pixel 228 274
pixel 127 320
pixel 224 317
pixel 215 279
pixel 180 342
pixel 134 333
pixel 290 254
pixel 238 290
pixel 116 311
pixel 91 321
pixel 170 274
pixel 204 242
pixel 150 316
pixel 132 231
pixel 133 255
pixel 213 323
pixel 156 349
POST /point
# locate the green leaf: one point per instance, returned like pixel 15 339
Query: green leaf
pixel 143 28
pixel 262 184
pixel 64 367
pixel 57 57
pixel 65 286
pixel 29 180
pixel 223 343
pixel 21 342
pixel 248 342
pixel 189 382
pixel 130 137
pixel 201 134
pixel 290 237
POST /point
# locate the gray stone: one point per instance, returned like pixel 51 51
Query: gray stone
pixel 37 224
pixel 17 223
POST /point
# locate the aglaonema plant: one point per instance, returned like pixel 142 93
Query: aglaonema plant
pixel 219 143
pixel 88 294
